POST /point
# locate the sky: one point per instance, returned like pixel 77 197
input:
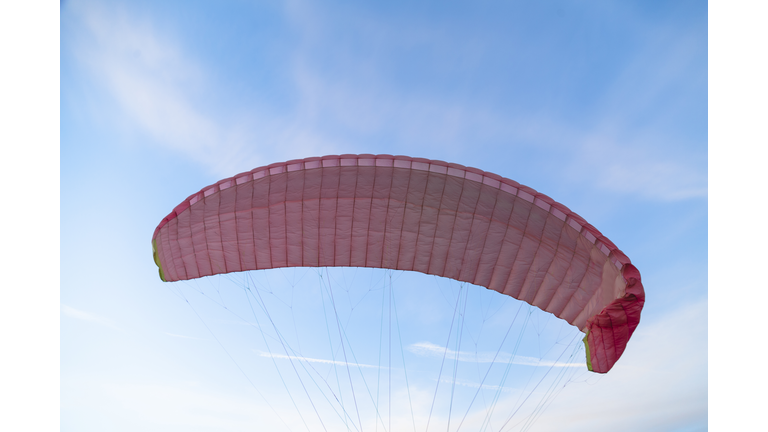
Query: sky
pixel 600 105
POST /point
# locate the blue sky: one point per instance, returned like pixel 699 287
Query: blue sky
pixel 602 106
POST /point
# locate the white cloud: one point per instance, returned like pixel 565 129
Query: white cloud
pixel 632 168
pixel 627 146
pixel 476 385
pixel 183 337
pixel 314 360
pixel 655 386
pixel 430 349
pixel 167 94
pixel 85 316
pixel 635 147
pixel 659 384
pixel 170 407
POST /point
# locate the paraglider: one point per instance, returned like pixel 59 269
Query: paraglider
pixel 412 214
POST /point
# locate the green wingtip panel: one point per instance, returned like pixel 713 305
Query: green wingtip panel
pixel 586 348
pixel 157 261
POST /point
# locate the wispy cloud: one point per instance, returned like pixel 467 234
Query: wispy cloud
pixel 164 406
pixel 662 376
pixel 645 140
pixel 86 316
pixel 432 350
pixel 636 169
pixel 183 337
pixel 627 141
pixel 356 104
pixel 473 384
pixel 314 360
pixel 167 93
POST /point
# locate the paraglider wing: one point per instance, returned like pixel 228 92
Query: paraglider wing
pixel 404 213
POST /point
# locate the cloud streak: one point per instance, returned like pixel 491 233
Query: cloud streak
pixel 355 103
pixel 626 141
pixel 315 360
pixel 660 383
pixel 183 337
pixel 473 384
pixel 85 316
pixel 432 350
pixel 166 93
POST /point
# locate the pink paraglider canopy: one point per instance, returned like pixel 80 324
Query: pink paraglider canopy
pixel 405 213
